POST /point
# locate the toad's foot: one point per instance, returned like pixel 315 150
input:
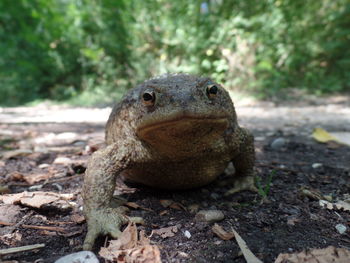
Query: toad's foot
pixel 242 183
pixel 105 221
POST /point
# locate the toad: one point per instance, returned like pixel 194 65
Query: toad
pixel 176 131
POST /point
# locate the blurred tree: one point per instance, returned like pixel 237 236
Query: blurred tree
pixel 95 49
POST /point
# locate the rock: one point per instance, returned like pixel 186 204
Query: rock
pixel 317 165
pixel 340 228
pixel 62 160
pixel 79 257
pixel 278 143
pixel 187 234
pixel 209 216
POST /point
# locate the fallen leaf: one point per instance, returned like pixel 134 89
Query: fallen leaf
pixel 323 136
pixel 34 178
pixel 248 255
pixel 128 248
pixel 324 255
pixel 220 232
pixel 39 199
pixel 340 205
pixel 166 231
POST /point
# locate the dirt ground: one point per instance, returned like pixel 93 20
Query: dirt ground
pixel 56 142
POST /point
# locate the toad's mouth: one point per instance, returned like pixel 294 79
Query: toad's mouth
pixel 183 132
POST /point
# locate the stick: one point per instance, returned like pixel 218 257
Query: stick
pixel 51 228
pixel 20 249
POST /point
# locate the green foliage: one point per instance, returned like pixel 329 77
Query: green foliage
pixel 264 191
pixel 90 51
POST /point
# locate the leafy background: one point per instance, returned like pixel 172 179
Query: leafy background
pixel 90 51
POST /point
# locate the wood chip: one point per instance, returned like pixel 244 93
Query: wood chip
pixel 220 232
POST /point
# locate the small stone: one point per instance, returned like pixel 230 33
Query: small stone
pixel 278 143
pixel 209 216
pixel 62 160
pixel 44 165
pixel 187 234
pixel 79 257
pixel 317 165
pixel 35 187
pixel 340 228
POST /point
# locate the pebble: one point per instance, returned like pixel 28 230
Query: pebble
pixel 79 257
pixel 187 234
pixel 209 216
pixel 317 165
pixel 278 143
pixel 341 228
pixel 35 187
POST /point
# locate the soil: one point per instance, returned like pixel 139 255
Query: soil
pixel 281 218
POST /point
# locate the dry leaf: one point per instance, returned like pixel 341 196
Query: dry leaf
pixel 323 136
pixel 39 199
pixel 325 255
pixel 129 249
pixel 248 255
pixel 34 178
pixel 220 232
pixel 340 205
pixel 166 231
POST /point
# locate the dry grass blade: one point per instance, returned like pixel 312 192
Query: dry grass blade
pixel 248 255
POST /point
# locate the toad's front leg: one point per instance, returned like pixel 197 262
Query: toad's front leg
pixel 99 183
pixel 244 164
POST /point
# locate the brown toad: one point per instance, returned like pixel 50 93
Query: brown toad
pixel 175 131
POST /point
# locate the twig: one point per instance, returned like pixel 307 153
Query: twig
pixel 51 228
pixel 65 178
pixel 20 249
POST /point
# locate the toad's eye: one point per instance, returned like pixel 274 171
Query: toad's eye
pixel 148 97
pixel 212 91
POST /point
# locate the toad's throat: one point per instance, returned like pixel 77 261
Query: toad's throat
pixel 185 133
